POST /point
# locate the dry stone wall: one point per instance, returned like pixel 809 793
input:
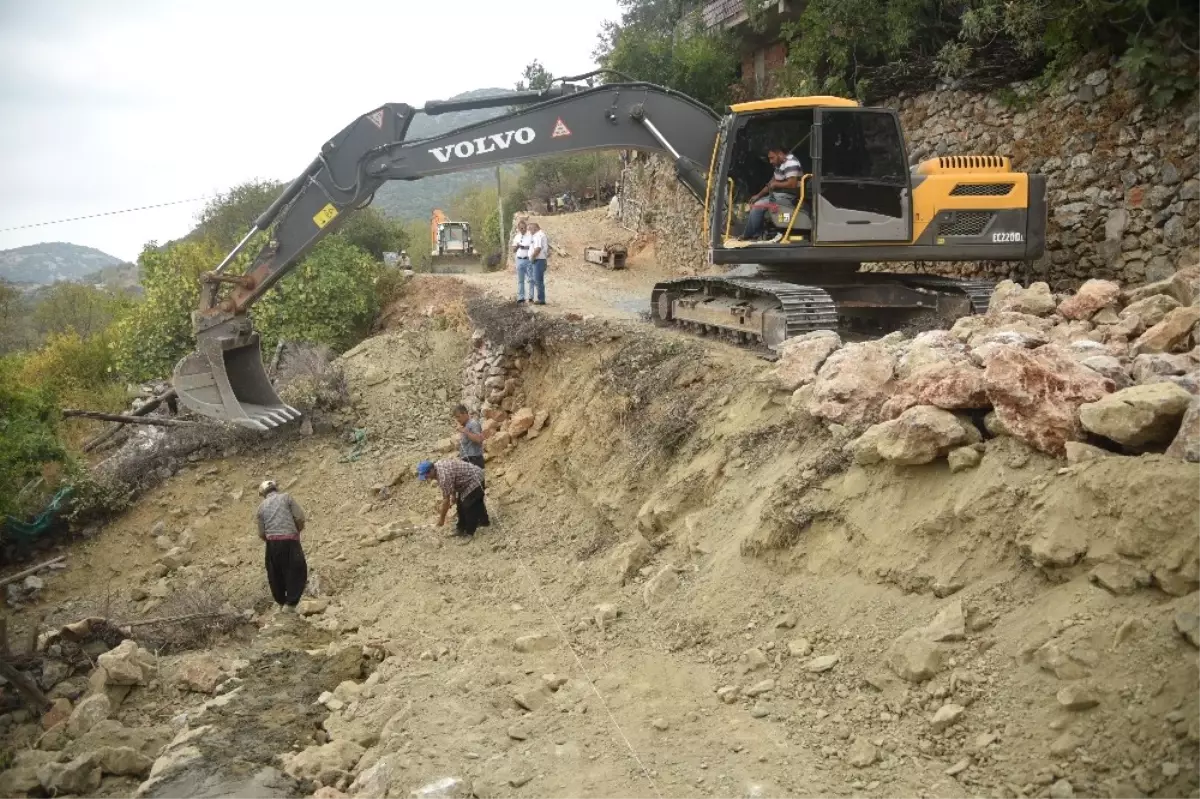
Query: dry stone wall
pixel 1123 179
pixel 494 390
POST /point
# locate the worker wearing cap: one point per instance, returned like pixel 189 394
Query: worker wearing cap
pixel 461 483
pixel 280 522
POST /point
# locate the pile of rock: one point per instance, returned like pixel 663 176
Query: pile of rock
pixel 1081 375
pixel 79 745
pixel 493 387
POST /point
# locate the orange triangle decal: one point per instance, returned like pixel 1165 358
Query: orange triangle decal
pixel 560 130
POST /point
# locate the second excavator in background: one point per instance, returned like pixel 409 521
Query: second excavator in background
pixel 856 202
pixel 453 250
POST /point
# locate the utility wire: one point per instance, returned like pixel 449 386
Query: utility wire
pixel 105 213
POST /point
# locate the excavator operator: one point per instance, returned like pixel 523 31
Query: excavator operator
pixel 782 189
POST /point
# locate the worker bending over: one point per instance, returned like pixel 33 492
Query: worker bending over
pixel 461 483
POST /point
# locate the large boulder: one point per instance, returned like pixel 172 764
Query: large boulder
pixel 929 348
pixel 202 674
pixel 1137 416
pixel 944 385
pixel 1109 367
pixel 801 356
pixel 1186 445
pixel 919 435
pixel 315 761
pixel 1091 297
pixel 1171 334
pixel 80 776
pixel 88 713
pixel 1151 310
pixel 127 664
pixel 853 384
pixel 1157 367
pixel 1009 296
pixel 1037 394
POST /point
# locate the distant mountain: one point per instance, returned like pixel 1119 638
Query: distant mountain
pixel 52 261
pixel 417 199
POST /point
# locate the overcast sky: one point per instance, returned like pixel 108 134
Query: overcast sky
pixel 111 104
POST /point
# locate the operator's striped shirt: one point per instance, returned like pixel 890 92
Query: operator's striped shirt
pixel 458 478
pixel 790 168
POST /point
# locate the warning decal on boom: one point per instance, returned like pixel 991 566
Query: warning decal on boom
pixel 560 129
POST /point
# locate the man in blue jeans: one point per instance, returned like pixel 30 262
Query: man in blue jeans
pixel 520 248
pixel 781 190
pixel 539 250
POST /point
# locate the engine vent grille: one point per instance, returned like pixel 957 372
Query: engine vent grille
pixel 989 162
pixel 967 223
pixel 981 189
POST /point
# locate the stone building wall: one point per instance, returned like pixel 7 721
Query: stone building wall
pixel 1123 179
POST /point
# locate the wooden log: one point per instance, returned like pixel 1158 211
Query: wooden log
pixel 180 619
pixel 26 687
pixel 126 419
pixel 169 398
pixel 21 575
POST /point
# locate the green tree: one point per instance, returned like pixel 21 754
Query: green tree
pixel 663 42
pixel 329 299
pixel 28 436
pixel 86 310
pixel 158 330
pixel 13 318
pixel 374 233
pixel 229 216
pixel 535 77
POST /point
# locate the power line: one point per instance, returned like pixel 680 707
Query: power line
pixel 105 213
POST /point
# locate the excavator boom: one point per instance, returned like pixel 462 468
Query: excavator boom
pixel 225 378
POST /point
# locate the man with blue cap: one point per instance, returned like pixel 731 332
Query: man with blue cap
pixel 461 483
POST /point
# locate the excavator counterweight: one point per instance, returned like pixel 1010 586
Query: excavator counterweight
pixel 840 192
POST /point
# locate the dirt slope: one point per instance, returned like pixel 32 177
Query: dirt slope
pixel 688 590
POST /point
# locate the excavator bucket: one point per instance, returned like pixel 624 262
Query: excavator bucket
pixel 455 264
pixel 225 379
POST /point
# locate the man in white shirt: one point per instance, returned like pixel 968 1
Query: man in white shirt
pixel 520 248
pixel 539 250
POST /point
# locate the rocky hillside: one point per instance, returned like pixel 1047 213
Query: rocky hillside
pixel 957 563
pixel 52 261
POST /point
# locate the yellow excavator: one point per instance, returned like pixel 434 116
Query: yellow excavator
pixel 857 201
pixel 453 249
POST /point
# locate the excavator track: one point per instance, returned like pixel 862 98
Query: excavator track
pixel 753 311
pixel 761 312
pixel 979 292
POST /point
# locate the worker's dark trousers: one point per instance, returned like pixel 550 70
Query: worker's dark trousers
pixel 472 513
pixel 476 460
pixel 287 571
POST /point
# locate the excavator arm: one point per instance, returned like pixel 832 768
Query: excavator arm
pixel 225 379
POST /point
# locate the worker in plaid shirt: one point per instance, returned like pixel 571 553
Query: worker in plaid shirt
pixel 462 483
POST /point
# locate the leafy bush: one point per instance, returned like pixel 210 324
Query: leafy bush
pixel 374 233
pixel 70 365
pixel 158 331
pixel 389 286
pixel 329 299
pixel 675 54
pixel 229 216
pixel 29 444
pixel 86 310
pixel 859 47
